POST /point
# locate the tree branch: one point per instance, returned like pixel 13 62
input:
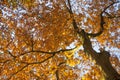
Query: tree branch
pixel 73 20
pixel 102 22
pixel 38 62
pixel 57 75
pixel 57 71
pixel 54 52
pixel 18 71
pixel 11 54
pixel 70 8
pixel 27 64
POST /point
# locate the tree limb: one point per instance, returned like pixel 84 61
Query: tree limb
pixel 102 22
pixel 27 64
pixel 39 51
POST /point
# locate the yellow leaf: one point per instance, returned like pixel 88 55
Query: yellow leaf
pixel 71 63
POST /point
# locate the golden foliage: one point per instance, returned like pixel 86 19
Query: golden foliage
pixel 35 35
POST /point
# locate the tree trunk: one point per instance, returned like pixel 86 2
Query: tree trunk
pixel 102 58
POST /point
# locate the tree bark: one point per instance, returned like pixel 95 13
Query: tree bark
pixel 102 58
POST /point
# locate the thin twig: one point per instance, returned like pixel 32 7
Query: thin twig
pixel 40 61
pixel 11 54
pixel 57 75
pixel 18 71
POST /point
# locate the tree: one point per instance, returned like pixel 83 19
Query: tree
pixel 59 40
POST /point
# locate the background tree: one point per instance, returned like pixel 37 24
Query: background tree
pixel 59 39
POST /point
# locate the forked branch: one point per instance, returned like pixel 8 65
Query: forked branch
pixel 102 22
